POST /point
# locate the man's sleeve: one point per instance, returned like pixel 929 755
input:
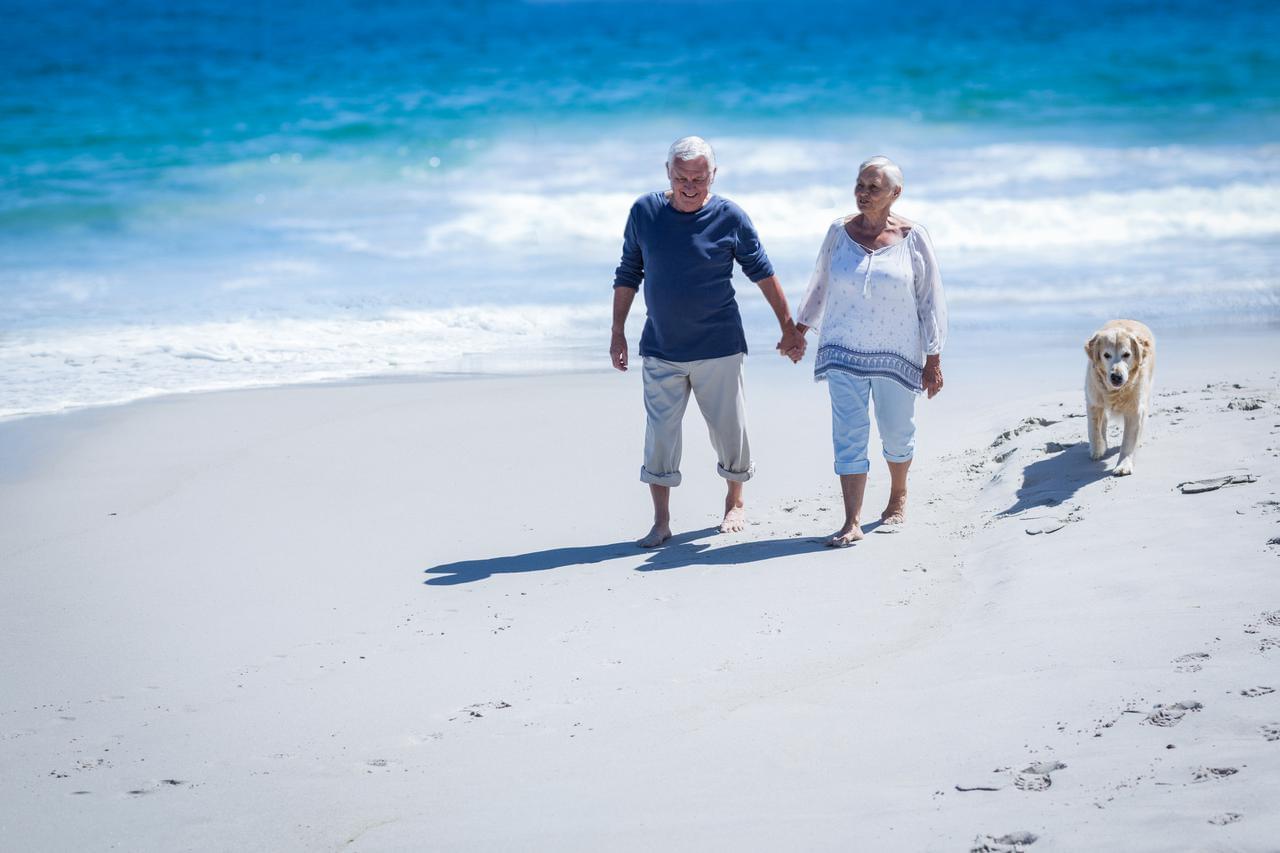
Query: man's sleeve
pixel 748 251
pixel 630 271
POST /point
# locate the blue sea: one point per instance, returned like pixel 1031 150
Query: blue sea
pixel 209 195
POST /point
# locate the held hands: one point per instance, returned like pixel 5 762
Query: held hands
pixel 932 379
pixel 618 350
pixel 792 344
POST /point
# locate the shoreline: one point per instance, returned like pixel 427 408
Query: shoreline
pixel 576 360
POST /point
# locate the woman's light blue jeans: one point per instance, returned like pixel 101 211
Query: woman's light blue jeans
pixel 895 408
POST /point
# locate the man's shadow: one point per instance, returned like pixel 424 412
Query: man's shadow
pixel 678 552
pixel 1057 478
pixel 680 555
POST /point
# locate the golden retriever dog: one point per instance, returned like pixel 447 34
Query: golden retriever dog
pixel 1122 361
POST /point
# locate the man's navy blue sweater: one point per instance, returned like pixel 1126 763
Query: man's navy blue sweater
pixel 685 261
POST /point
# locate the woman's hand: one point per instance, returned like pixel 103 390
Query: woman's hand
pixel 792 344
pixel 932 378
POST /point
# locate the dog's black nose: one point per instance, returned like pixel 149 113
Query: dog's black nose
pixel 1117 380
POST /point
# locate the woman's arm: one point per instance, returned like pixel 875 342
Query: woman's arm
pixel 931 309
pixel 931 304
pixel 814 301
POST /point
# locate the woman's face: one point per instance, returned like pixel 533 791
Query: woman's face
pixel 874 192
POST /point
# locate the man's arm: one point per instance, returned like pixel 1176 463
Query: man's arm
pixel 622 298
pixel 792 343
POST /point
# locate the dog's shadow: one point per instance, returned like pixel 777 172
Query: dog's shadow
pixel 1057 478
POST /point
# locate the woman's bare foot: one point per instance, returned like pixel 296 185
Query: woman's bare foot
pixel 845 536
pixel 896 510
pixel 659 534
pixel 735 520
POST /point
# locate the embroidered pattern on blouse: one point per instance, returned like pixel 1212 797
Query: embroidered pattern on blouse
pixel 887 364
pixel 878 313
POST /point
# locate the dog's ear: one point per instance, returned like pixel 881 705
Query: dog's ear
pixel 1091 346
pixel 1143 344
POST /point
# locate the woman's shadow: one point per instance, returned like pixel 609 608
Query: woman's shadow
pixel 678 552
pixel 1055 479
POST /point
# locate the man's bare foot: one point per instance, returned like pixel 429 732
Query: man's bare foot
pixel 845 536
pixel 659 534
pixel 735 520
pixel 896 511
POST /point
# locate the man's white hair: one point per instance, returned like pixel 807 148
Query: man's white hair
pixel 886 167
pixel 691 148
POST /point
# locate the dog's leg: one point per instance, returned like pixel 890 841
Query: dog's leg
pixel 1132 432
pixel 1097 432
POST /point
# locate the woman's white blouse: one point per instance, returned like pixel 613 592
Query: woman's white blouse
pixel 879 313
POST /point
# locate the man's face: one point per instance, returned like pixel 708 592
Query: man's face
pixel 690 183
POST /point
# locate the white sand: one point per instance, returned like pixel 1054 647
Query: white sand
pixel 408 616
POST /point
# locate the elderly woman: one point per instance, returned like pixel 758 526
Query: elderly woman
pixel 877 297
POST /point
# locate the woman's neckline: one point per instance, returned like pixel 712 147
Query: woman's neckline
pixel 844 227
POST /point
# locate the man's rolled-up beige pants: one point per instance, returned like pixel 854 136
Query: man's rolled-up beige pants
pixel 716 383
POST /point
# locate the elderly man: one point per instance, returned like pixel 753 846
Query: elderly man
pixel 681 244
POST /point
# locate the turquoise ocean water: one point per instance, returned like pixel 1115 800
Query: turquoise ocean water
pixel 218 194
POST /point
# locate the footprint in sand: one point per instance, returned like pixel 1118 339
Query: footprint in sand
pixel 1206 774
pixel 1027 424
pixel 1272 617
pixel 1225 818
pixel 474 712
pixel 1013 842
pixel 1036 776
pixel 1268 644
pixel 1045 525
pixel 1192 662
pixel 1254 692
pixel 1271 731
pixel 1170 715
pixel 163 783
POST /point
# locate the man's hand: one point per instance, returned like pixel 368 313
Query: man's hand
pixel 932 378
pixel 792 344
pixel 618 350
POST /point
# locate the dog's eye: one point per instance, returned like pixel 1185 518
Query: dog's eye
pixel 1106 355
pixel 1126 355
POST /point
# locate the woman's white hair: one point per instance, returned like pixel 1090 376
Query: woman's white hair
pixel 691 148
pixel 886 167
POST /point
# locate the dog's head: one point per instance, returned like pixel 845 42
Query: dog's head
pixel 1116 354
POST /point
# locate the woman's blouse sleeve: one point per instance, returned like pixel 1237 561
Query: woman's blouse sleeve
pixel 815 298
pixel 931 305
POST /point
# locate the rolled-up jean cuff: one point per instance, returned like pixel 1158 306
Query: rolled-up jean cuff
pixel 736 476
pixel 895 457
pixel 843 468
pixel 670 480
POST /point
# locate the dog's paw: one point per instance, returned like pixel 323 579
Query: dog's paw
pixel 1096 453
pixel 1123 468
